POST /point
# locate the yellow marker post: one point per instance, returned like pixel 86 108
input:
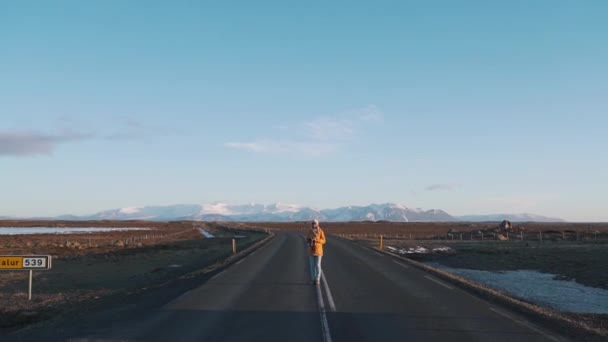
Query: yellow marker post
pixel 381 242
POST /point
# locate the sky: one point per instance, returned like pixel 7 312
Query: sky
pixel 472 107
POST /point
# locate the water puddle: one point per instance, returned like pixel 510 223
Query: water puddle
pixel 61 230
pixel 540 288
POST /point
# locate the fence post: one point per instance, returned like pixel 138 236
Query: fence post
pixel 540 236
pixel 233 246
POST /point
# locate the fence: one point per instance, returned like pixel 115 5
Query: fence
pixel 489 236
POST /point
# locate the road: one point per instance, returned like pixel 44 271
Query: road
pixel 365 296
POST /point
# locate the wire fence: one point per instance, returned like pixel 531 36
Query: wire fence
pixel 489 236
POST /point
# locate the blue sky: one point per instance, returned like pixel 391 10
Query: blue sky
pixel 467 106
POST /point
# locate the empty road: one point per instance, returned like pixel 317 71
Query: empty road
pixel 365 296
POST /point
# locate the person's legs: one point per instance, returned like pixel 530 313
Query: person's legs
pixel 311 263
pixel 319 270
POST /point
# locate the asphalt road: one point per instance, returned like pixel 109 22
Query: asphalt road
pixel 365 296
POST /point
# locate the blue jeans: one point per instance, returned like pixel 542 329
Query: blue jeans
pixel 315 267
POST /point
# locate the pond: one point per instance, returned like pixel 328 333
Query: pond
pixel 61 230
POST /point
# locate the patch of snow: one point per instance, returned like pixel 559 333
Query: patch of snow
pixel 216 208
pixel 370 217
pixel 284 207
pixel 419 250
pixel 130 210
pixel 541 288
pixel 206 233
pixel 398 206
pixel 443 250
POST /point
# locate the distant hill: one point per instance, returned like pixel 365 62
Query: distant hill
pixel 280 212
pixel 511 217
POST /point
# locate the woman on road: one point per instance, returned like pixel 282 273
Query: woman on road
pixel 316 240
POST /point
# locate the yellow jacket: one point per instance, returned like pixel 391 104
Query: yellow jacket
pixel 318 240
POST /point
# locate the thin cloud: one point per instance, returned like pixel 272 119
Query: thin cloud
pixel 440 187
pixel 310 149
pixel 330 129
pixel 321 136
pixel 13 143
pixel 131 129
pixel 369 114
pixel 344 127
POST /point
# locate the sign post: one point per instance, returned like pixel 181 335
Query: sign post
pixel 26 263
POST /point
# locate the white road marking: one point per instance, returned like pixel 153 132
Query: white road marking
pixel 439 282
pixel 175 300
pixel 217 275
pixel 330 298
pixel 240 261
pixel 525 324
pixel 400 264
pixel 324 323
pixel 378 253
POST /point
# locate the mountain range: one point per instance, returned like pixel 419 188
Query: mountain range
pixel 280 212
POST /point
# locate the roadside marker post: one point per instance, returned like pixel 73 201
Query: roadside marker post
pixel 381 242
pixel 26 263
pixel 233 246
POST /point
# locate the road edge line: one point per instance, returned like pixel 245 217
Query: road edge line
pixel 549 319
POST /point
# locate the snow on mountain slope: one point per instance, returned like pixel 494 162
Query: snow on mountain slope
pixel 280 212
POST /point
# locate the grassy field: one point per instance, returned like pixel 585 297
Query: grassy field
pixel 83 276
pixel 584 262
pixel 440 230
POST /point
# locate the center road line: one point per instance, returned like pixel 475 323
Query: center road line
pixel 525 324
pixel 438 282
pixel 323 315
pixel 330 298
pixel 400 264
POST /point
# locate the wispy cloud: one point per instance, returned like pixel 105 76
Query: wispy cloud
pixel 131 129
pixel 321 136
pixel 343 127
pixel 440 187
pixel 20 143
pixel 36 143
pixel 311 149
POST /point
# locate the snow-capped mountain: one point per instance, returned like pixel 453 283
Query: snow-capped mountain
pixel 280 212
pixel 273 212
pixel 525 217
